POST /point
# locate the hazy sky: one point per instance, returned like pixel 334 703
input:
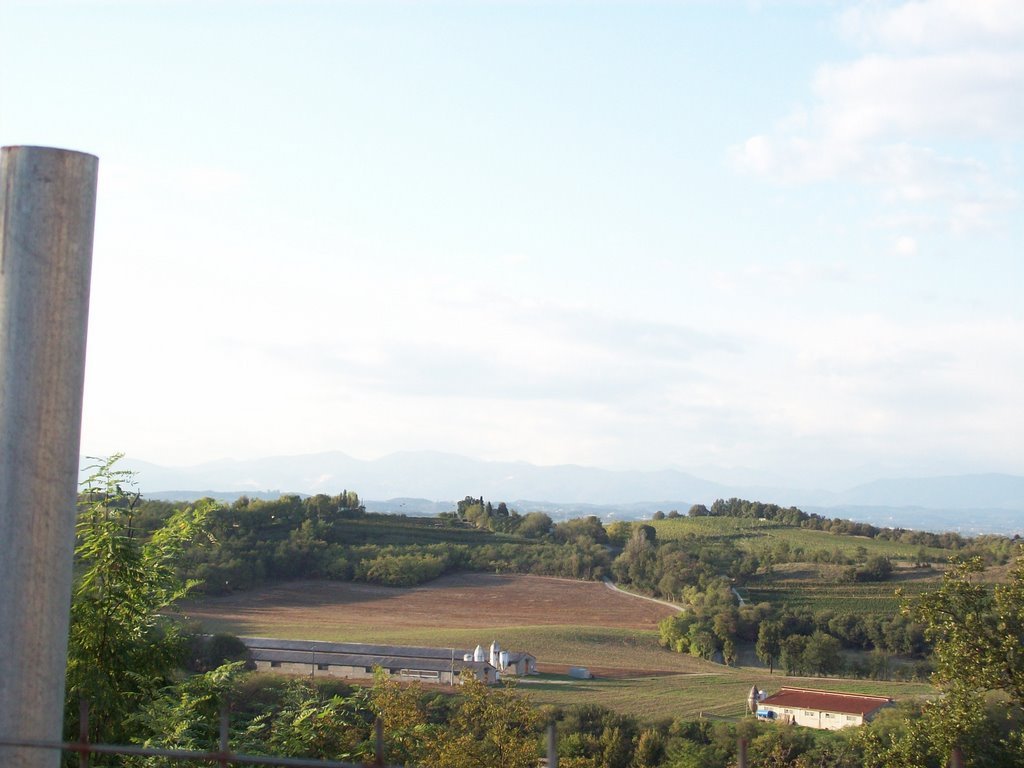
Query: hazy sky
pixel 778 238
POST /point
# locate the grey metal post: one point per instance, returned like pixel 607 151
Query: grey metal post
pixel 47 211
pixel 552 746
pixel 741 753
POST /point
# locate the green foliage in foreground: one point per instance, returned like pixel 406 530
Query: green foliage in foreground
pixel 120 649
pixel 122 657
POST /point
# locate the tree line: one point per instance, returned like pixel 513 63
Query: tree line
pixel 150 683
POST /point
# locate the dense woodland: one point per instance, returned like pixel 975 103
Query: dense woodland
pixel 151 682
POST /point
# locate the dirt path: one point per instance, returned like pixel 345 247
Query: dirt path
pixel 608 583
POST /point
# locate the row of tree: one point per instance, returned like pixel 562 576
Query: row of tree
pixel 127 658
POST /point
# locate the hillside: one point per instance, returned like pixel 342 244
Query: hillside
pixel 415 482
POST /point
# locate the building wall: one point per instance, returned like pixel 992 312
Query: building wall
pixel 814 718
pixel 361 673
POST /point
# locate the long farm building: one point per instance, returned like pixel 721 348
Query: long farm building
pixel 312 658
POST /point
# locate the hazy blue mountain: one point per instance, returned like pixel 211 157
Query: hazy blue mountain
pixel 992 491
pixel 425 482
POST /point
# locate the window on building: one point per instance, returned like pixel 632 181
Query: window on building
pixel 275 664
pixel 323 667
pixel 808 714
pixel 829 714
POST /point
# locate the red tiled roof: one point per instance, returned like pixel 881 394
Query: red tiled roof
pixel 828 701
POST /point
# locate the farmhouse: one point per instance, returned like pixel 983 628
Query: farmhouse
pixel 358 660
pixel 820 709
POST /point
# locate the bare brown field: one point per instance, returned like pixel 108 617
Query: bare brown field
pixel 562 622
pixel 460 601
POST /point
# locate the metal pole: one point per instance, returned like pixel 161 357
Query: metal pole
pixel 224 740
pixel 47 210
pixel 378 741
pixel 741 753
pixel 552 746
pixel 83 730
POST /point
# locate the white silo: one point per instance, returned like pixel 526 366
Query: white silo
pixel 503 659
pixel 478 654
pixel 495 655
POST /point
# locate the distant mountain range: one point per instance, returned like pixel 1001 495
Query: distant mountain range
pixel 426 482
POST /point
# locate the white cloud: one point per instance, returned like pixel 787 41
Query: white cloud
pixel 962 94
pixel 921 123
pixel 905 246
pixel 931 24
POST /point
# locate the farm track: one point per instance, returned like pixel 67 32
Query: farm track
pixel 615 588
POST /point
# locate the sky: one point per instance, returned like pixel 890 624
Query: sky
pixel 757 241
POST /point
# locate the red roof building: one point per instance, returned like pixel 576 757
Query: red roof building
pixel 820 709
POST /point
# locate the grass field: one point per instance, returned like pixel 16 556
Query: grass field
pixel 819 588
pixel 749 534
pixel 561 622
pixel 719 694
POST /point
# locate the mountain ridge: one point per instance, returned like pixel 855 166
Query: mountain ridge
pixel 443 477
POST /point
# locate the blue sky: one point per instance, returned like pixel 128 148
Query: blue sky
pixel 761 240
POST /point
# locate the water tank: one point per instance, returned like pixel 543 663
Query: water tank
pixel 467 657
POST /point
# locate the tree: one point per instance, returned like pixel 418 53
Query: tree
pixel 637 563
pixel 821 654
pixel 769 643
pixel 121 646
pixel 312 724
pixel 534 525
pixel 619 533
pixel 977 630
pixel 491 728
pixel 792 654
pixel 729 653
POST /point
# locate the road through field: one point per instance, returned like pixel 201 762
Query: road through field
pixel 612 586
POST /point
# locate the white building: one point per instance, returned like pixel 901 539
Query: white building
pixel 358 660
pixel 820 709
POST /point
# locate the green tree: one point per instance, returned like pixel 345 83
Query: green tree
pixel 534 525
pixel 821 654
pixel 977 630
pixel 492 728
pixel 121 646
pixel 769 643
pixel 729 652
pixel 792 654
pixel 308 723
pixel 650 749
pixel 619 533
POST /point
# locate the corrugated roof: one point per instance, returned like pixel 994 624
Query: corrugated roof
pixel 826 701
pixel 362 660
pixel 366 649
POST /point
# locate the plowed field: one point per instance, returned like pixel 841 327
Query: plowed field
pixel 462 601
